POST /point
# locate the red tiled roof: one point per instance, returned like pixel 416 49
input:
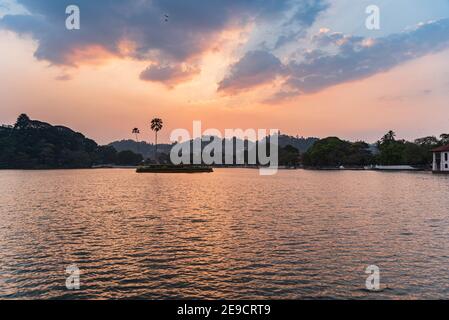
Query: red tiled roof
pixel 441 149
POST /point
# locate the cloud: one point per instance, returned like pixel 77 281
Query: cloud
pixel 63 77
pixel 340 59
pixel 170 75
pixel 255 68
pixel 135 29
pixel 304 15
pixel 411 96
pixel 307 11
pixel 358 58
pixel 192 28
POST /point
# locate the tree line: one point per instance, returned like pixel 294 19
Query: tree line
pixel 31 144
pixel 334 152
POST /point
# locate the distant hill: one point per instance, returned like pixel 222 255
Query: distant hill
pixel 147 150
pixel 300 143
pixel 32 144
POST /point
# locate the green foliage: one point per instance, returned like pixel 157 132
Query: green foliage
pixel 334 152
pixel 401 152
pixel 289 156
pixel 128 158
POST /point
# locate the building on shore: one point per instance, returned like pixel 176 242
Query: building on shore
pixel 441 159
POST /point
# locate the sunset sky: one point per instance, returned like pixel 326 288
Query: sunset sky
pixel 306 67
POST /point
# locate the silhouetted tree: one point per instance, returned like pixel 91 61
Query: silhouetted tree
pixel 427 141
pixel 156 125
pixel 22 122
pixel 136 131
pixel 444 138
pixel 390 136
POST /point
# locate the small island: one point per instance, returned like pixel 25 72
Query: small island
pixel 170 168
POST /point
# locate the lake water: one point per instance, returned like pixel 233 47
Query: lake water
pixel 231 234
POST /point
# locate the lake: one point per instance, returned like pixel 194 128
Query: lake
pixel 231 234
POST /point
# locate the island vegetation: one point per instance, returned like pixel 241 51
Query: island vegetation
pixel 170 168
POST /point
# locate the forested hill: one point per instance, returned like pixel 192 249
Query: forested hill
pixel 31 144
pixel 300 143
pixel 147 150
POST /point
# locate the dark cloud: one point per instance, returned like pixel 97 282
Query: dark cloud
pixel 255 68
pixel 191 29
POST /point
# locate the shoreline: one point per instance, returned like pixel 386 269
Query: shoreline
pixel 233 167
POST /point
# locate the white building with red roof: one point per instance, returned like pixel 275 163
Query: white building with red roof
pixel 441 159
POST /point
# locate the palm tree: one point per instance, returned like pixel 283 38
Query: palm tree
pixel 136 131
pixel 390 136
pixel 156 125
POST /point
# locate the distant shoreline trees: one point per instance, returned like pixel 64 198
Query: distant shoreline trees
pixel 334 152
pixel 31 144
pixel 417 153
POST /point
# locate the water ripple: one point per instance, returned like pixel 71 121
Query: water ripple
pixel 227 235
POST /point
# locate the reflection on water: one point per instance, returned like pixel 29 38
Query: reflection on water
pixel 230 234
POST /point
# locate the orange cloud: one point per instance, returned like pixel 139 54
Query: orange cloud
pixel 91 55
